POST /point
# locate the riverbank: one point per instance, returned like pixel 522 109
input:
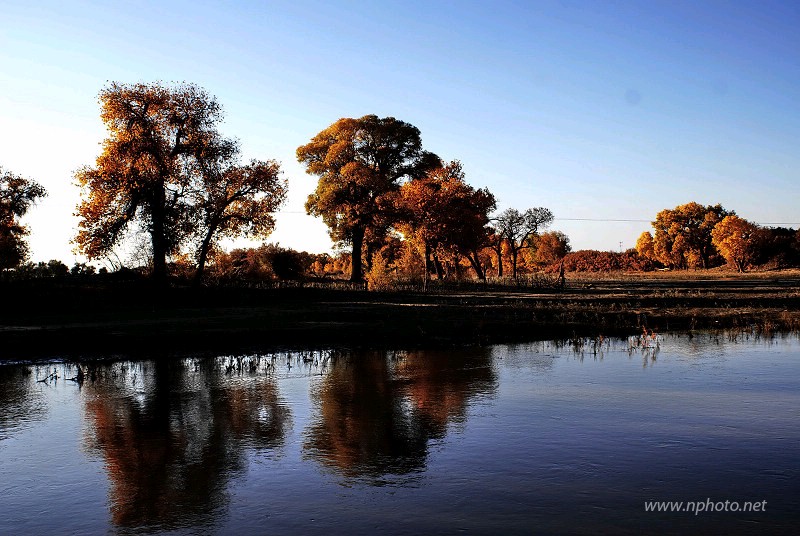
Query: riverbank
pixel 52 319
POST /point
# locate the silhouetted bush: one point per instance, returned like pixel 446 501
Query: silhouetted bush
pixel 287 264
pixel 51 269
pixel 82 269
pixel 266 263
pixel 777 247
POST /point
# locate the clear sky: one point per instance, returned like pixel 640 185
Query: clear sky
pixel 594 109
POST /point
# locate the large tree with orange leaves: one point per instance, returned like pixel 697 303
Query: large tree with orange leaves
pixel 442 211
pixel 146 166
pixel 683 235
pixel 361 164
pixel 236 200
pixel 644 246
pixel 549 248
pixel 737 240
pixel 166 167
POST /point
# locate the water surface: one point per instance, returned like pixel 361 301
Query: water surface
pixel 536 438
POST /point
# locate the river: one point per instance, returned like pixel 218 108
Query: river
pixel 572 437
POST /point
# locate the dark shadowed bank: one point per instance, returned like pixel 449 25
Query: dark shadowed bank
pixel 62 319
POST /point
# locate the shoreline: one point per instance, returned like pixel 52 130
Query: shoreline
pixel 78 321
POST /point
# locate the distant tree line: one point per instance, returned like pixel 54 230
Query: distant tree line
pixel 166 171
pixel 697 236
pixel 397 212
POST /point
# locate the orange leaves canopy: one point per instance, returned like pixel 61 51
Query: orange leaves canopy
pixel 165 166
pixel 736 240
pixel 441 209
pixel 361 164
pixel 683 235
pixel 156 134
pixel 645 247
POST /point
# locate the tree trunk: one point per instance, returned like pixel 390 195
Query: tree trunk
pixel 476 265
pixel 499 252
pixel 438 266
pixel 513 263
pixel 158 236
pixel 425 270
pixel 356 271
pixel 201 263
pixel 457 267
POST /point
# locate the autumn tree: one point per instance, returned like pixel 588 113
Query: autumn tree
pixel 683 235
pixel 165 167
pixel 497 244
pixel 143 173
pixel 550 247
pixel 778 247
pixel 361 164
pixel 736 240
pixel 518 228
pixel 237 200
pixel 644 246
pixel 442 211
pixel 17 194
pixel 470 210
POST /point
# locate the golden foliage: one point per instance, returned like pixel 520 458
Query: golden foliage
pixel 155 135
pixel 379 275
pixel 548 248
pixel 683 235
pixel 645 246
pixel 447 216
pixel 736 240
pixel 165 166
pixel 238 201
pixel 360 164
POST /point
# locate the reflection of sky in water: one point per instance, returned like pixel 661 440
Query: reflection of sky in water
pixel 560 437
pixel 22 403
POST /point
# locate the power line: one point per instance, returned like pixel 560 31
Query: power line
pixel 612 220
pixel 601 219
pixel 650 221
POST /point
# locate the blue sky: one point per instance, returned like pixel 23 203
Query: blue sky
pixel 599 110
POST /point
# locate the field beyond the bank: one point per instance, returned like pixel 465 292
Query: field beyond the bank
pixel 50 318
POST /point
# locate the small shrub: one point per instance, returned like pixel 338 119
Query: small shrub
pixel 379 276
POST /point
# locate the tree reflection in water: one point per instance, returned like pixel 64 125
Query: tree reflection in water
pixel 173 433
pixel 377 413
